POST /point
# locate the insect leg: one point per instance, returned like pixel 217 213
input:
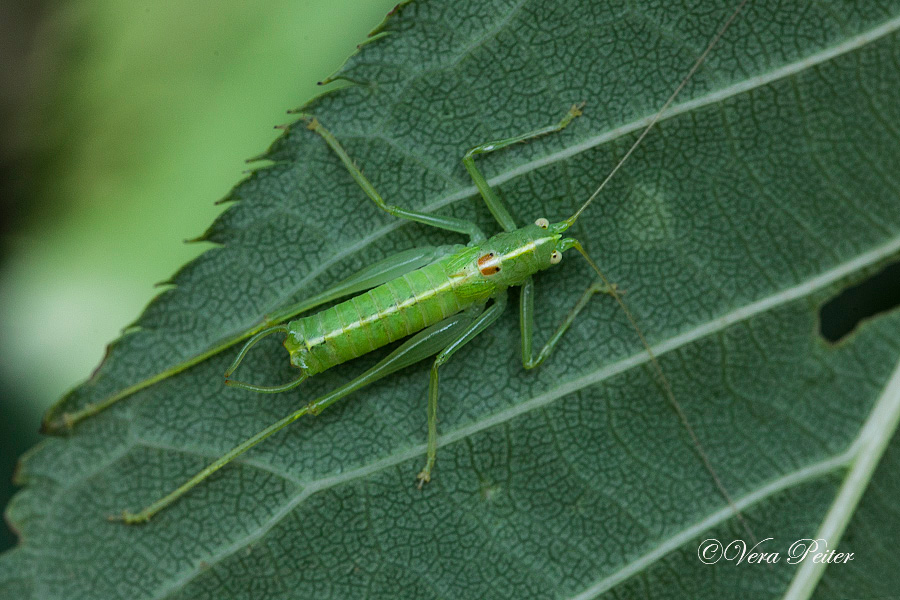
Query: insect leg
pixel 425 343
pixel 526 320
pixel 449 223
pixel 367 278
pixel 494 204
pixel 477 326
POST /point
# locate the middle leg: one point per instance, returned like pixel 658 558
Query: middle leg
pixel 526 320
pixel 480 324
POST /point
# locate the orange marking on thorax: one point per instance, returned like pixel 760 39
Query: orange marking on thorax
pixel 489 264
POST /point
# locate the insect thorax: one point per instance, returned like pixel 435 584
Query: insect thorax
pixel 510 258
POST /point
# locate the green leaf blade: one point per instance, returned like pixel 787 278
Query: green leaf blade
pixel 769 188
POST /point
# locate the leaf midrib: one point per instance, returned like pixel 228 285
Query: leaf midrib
pixel 866 453
pixel 712 326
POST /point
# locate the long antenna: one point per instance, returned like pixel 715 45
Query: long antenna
pixel 660 376
pixel 712 44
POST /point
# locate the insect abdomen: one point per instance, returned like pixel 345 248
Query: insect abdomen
pixel 378 317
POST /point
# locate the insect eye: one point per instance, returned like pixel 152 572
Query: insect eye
pixel 555 257
pixel 542 223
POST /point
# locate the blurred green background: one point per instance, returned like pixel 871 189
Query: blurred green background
pixel 120 124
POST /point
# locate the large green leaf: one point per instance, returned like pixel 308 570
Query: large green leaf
pixel 770 186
